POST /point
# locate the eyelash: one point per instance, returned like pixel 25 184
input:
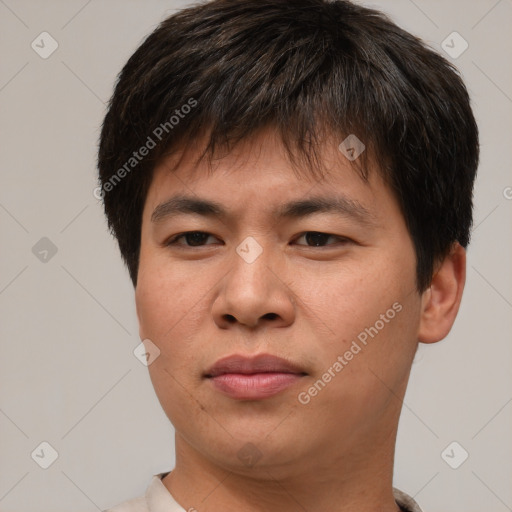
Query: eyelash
pixel 173 240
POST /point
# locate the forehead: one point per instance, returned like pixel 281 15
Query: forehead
pixel 258 173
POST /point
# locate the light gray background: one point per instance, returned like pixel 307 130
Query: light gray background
pixel 68 325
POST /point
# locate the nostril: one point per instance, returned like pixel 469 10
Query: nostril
pixel 230 318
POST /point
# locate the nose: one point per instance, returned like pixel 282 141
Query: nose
pixel 254 293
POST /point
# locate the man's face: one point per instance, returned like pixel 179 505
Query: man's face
pixel 342 309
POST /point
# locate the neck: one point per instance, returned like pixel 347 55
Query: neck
pixel 331 479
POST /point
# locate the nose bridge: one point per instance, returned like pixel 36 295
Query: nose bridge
pixel 250 265
pixel 250 250
pixel 251 292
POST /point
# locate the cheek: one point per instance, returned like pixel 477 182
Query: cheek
pixel 164 296
pixel 374 303
pixel 154 302
pixel 172 309
pixel 352 296
pixel 168 315
pixel 175 322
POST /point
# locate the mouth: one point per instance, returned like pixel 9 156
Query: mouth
pixel 253 378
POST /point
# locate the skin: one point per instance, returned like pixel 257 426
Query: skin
pixel 304 303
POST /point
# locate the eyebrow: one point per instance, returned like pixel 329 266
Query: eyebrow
pixel 340 205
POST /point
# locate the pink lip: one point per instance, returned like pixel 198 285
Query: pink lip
pixel 253 378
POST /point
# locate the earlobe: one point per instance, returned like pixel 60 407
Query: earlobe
pixel 440 302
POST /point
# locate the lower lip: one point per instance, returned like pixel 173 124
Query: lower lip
pixel 254 386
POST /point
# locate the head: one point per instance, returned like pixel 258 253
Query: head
pixel 260 113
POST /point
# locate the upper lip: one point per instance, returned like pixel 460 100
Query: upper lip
pixel 262 363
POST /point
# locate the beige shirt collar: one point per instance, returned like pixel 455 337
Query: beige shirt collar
pixel 158 499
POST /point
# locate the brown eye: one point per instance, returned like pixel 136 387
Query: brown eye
pixel 192 238
pixel 317 239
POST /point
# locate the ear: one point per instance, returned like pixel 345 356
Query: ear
pixel 440 302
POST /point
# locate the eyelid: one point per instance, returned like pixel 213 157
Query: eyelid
pixel 172 241
pixel 340 239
